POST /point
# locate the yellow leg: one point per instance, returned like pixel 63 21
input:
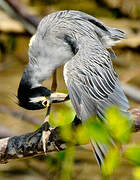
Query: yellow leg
pixel 46 133
pixel 54 82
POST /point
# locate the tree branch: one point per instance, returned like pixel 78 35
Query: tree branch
pixel 135 113
pixel 18 147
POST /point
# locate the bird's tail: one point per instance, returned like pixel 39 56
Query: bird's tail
pixel 100 150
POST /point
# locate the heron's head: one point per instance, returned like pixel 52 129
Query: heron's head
pixel 33 98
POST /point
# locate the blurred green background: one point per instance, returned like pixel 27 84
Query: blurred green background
pixel 14 120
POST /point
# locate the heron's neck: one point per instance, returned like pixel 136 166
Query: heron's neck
pixel 34 75
pixel 28 80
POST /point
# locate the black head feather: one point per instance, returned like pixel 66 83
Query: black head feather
pixel 25 93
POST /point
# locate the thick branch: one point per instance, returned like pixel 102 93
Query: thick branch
pixel 136 116
pixel 19 147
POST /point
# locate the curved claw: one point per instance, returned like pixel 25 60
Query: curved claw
pixel 45 138
pixel 44 127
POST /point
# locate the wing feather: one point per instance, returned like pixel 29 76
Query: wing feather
pixel 92 91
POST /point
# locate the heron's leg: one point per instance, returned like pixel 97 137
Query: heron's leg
pixel 57 97
pixel 54 82
pixel 46 132
pixel 45 127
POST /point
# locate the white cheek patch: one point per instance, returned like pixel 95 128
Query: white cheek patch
pixel 37 99
pixel 32 40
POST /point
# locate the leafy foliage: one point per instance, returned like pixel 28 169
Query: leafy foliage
pixel 133 154
pixel 112 161
pixel 67 164
pixel 116 127
pixel 118 124
pixel 62 162
pixel 97 130
pixel 63 116
pixel 136 173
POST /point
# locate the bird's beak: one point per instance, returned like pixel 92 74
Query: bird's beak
pixel 58 97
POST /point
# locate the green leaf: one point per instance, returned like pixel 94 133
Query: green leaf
pixel 81 135
pixel 136 173
pixel 97 130
pixel 118 124
pixel 61 156
pixel 63 116
pixel 67 164
pixel 66 133
pixel 133 154
pixel 112 161
pixel 54 162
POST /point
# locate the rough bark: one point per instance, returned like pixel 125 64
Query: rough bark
pixel 19 147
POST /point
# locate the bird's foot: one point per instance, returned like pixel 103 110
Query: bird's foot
pixel 45 129
pixel 45 139
pixel 44 126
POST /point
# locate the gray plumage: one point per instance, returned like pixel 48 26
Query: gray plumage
pixel 83 44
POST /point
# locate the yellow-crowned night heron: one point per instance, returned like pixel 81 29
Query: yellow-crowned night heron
pixel 83 44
